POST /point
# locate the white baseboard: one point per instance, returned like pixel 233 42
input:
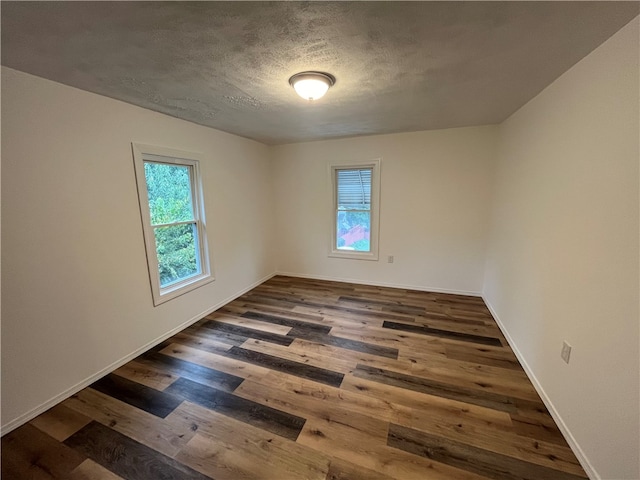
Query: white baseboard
pixel 382 284
pixel 575 447
pixel 22 419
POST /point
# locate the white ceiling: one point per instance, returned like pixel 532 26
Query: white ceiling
pixel 399 66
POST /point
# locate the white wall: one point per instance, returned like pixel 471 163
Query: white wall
pixel 75 288
pixel 563 251
pixel 435 191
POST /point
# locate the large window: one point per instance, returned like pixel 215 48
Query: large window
pixel 172 211
pixel 355 210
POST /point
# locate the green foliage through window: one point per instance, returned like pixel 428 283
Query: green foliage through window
pixel 169 191
pixel 170 202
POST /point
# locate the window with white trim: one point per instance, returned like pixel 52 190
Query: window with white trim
pixel 172 212
pixel 356 194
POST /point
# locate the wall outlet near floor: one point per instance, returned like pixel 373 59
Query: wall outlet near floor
pixel 566 351
pixel 390 259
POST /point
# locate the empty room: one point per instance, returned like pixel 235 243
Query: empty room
pixel 320 240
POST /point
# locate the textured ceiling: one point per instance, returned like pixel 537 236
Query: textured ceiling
pixel 399 66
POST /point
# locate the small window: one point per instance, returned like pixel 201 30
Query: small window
pixel 356 190
pixel 172 211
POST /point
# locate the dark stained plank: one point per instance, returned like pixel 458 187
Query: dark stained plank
pixel 126 457
pixel 362 347
pixel 28 453
pixel 247 411
pixel 309 372
pixel 435 332
pixel 145 398
pixel 248 333
pixel 451 318
pixel 345 343
pixel 468 457
pixel 224 336
pixel 298 324
pixel 431 387
pixel 193 371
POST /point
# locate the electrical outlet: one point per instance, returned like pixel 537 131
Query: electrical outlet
pixel 566 352
pixel 390 259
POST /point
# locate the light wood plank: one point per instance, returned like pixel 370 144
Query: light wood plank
pixel 248 323
pixel 146 375
pixel 60 422
pixel 335 364
pixel 361 449
pixel 90 470
pixel 227 449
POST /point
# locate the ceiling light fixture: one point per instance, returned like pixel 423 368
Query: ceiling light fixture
pixel 312 85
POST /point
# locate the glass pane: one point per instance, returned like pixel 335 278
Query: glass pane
pixel 178 255
pixel 169 188
pixel 354 231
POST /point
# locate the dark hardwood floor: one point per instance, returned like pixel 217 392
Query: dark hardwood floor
pixel 305 379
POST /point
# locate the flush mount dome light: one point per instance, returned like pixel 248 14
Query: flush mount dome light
pixel 311 85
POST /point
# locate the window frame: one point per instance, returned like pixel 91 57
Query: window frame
pixel 334 251
pixel 149 153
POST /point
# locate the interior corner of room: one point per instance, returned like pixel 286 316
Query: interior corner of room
pixel 538 215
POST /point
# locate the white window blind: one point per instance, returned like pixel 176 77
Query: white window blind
pixel 354 189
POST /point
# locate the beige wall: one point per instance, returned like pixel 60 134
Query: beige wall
pixel 563 254
pixel 75 290
pixel 435 189
pixel 549 200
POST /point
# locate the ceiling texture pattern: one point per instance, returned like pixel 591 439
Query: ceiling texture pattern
pixel 399 66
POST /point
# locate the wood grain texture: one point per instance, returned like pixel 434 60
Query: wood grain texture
pixel 253 413
pixel 292 367
pixel 90 470
pixel 30 453
pixel 60 422
pixel 133 422
pixel 183 369
pixel 308 379
pixel 227 449
pixel 126 457
pixel 137 395
pixel 470 394
pixel 468 457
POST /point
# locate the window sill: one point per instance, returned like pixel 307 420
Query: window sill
pixel 354 255
pixel 173 291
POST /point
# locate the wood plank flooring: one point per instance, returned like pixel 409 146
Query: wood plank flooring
pixel 306 379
